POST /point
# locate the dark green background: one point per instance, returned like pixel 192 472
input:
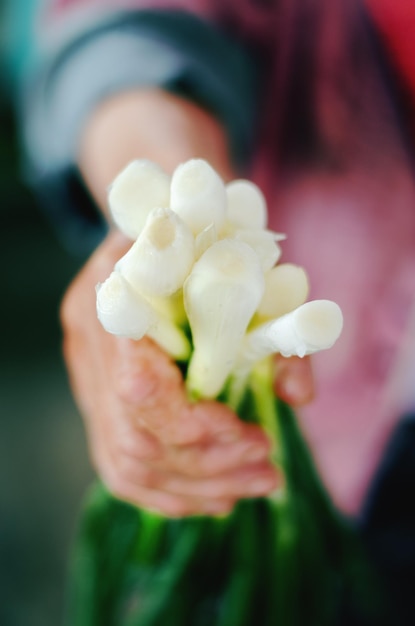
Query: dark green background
pixel 44 468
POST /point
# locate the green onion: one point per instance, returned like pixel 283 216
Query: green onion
pixel 246 206
pixel 160 260
pixel 313 326
pixel 286 288
pixel 221 295
pixel 198 195
pixel 121 310
pixel 203 265
pixel 264 243
pixel 139 188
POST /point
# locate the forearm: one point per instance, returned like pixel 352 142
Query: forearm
pixel 151 124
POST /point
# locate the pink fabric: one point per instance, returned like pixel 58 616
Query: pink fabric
pixel 355 235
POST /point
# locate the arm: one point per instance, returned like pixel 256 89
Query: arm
pixel 85 53
pixel 149 445
pixel 153 124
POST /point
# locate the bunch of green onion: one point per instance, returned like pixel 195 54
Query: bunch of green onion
pixel 202 279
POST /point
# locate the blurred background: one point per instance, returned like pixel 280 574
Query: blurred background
pixel 44 470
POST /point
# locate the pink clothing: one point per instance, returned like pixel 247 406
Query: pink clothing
pixel 345 199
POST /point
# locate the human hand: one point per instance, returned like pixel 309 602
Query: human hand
pixel 148 443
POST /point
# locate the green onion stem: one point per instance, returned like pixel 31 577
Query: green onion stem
pixel 261 384
pixel 150 533
pixel 239 598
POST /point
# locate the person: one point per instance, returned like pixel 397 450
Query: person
pixel 314 101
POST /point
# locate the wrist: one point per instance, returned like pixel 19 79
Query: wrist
pixel 148 124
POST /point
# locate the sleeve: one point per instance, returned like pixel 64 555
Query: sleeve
pixel 88 53
pixel 387 522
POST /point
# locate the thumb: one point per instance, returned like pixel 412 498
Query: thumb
pixel 151 388
pixel 293 380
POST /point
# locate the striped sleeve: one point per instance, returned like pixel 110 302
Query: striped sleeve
pixel 84 52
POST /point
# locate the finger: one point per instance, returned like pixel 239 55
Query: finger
pixel 293 380
pixel 210 459
pixel 154 500
pixel 152 389
pixel 138 444
pixel 101 262
pixel 258 480
pixel 217 421
pixel 115 472
pixel 252 481
pixel 85 372
pixel 123 484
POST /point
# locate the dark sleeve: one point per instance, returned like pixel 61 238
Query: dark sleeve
pixel 174 50
pixel 388 523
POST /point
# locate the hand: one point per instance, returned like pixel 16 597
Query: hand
pixel 148 443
